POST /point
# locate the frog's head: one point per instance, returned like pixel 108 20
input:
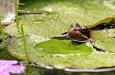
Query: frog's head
pixel 79 34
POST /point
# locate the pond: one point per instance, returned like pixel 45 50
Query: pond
pixel 27 31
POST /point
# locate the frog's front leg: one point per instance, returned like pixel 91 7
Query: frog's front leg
pixel 61 36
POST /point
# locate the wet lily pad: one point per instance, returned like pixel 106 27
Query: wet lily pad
pixel 64 56
pixel 55 46
pixel 104 39
pixel 58 16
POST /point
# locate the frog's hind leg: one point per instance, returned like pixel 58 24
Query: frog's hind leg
pixel 107 23
pixel 61 36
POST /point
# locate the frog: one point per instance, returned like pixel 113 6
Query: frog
pixel 82 34
pixel 78 33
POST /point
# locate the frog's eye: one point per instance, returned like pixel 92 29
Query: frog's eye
pixel 84 29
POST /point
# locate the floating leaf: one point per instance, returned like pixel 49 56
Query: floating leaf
pixel 62 54
pixel 63 47
pixel 104 39
pixel 62 14
pixel 58 16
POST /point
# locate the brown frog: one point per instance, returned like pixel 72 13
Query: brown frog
pixel 83 34
pixel 79 34
pixel 76 33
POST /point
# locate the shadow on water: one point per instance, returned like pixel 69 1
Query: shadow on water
pixel 58 72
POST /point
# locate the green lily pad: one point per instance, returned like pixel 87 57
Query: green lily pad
pixel 104 39
pixel 56 19
pixel 67 55
pixel 60 14
pixel 55 46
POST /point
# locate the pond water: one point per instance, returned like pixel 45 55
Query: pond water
pixel 38 20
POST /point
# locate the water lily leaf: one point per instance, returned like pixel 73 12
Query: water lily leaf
pixel 80 11
pixel 62 54
pixel 55 46
pixel 61 14
pixel 104 39
pixel 58 16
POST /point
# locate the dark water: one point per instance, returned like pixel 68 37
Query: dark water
pixel 59 72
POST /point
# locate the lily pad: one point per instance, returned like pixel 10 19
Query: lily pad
pixel 65 56
pixel 55 46
pixel 104 39
pixel 58 16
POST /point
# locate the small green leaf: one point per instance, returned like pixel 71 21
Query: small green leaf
pixel 63 47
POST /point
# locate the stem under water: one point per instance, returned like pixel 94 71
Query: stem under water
pixel 21 32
